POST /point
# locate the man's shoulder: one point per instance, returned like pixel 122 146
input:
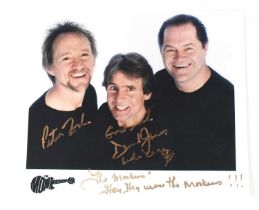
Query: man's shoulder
pixel 161 73
pixel 103 108
pixel 163 78
pixel 90 99
pixel 221 81
pixel 104 116
pixel 90 91
pixel 91 88
pixel 38 104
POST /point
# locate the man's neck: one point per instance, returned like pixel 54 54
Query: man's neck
pixel 64 99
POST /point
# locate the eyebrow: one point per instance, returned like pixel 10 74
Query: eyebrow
pixel 86 50
pixel 132 86
pixel 122 85
pixel 68 53
pixel 64 54
pixel 188 44
pixel 167 45
pixel 185 45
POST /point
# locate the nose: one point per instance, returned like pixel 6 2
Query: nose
pixel 77 63
pixel 180 54
pixel 120 96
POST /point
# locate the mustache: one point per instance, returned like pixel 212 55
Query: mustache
pixel 81 70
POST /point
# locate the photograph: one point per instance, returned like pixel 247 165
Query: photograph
pixel 118 104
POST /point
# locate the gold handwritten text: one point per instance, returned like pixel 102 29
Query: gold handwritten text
pixel 154 186
pixel 202 183
pixel 51 136
pixel 144 139
pixel 131 176
pixel 110 189
pixel 109 134
pixel 95 176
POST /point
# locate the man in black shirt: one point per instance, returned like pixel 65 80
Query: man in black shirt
pixel 198 102
pixel 60 120
pixel 129 137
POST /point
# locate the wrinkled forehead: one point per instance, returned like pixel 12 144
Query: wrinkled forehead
pixel 120 77
pixel 124 74
pixel 68 39
pixel 180 32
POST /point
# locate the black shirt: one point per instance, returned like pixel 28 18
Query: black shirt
pixel 203 122
pixel 146 146
pixel 60 139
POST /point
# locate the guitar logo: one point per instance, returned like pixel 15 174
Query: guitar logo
pixel 39 183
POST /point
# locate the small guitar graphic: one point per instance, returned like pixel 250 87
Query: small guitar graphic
pixel 39 183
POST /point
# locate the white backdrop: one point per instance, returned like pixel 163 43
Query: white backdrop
pixel 120 27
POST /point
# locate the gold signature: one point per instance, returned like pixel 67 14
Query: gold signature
pixel 95 176
pixel 51 136
pixel 109 133
pixel 144 140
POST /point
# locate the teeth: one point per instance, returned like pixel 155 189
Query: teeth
pixel 79 74
pixel 181 65
pixel 121 108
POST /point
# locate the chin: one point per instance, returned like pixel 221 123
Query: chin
pixel 83 87
pixel 119 119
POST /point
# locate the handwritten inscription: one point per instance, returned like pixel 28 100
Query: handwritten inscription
pixel 51 135
pixel 129 187
pixel 94 176
pixel 109 134
pixel 154 186
pixel 142 145
pixel 172 182
pixel 121 183
pixel 110 189
pixel 202 183
pixel 144 138
pixel 131 176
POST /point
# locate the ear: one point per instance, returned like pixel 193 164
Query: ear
pixel 94 62
pixel 50 70
pixel 147 96
pixel 206 47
